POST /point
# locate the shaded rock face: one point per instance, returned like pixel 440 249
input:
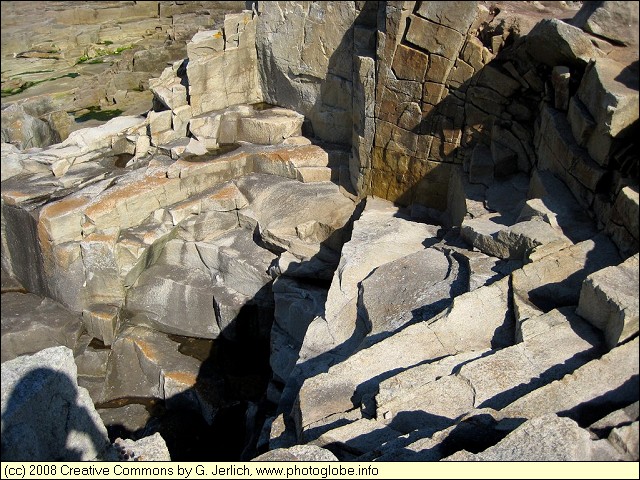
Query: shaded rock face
pixel 444 267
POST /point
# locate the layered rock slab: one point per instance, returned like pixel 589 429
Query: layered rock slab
pixel 545 438
pixel 609 301
pixel 473 322
pixel 374 242
pixel 602 384
pixel 31 323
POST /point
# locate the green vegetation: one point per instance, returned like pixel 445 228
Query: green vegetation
pixel 33 72
pixel 96 113
pixel 6 92
pixel 119 50
pixel 103 52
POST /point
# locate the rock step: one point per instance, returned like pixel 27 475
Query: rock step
pixel 553 344
pixel 590 392
pixel 182 188
pixel 549 438
pixel 411 289
pixel 476 320
pixel 375 241
pixel 436 396
pixel 555 280
pixel 496 213
pixel 511 242
pixel 484 427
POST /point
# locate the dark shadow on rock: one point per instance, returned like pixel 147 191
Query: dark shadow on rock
pixel 629 75
pixel 556 372
pixel 567 291
pixel 233 377
pixel 45 428
pixel 599 407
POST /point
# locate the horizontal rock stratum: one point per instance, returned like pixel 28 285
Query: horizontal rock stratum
pixel 374 231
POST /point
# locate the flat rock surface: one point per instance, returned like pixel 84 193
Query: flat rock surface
pixel 31 323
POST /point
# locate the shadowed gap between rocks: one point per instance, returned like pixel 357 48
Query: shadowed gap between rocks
pixel 590 411
pixel 243 366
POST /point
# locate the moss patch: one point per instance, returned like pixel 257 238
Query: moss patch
pixel 6 92
pixel 102 52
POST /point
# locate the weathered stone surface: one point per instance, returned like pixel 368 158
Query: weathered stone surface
pixel 544 438
pixel 410 64
pixel 45 415
pixel 610 94
pixel 477 429
pixel 464 199
pixel 218 79
pixel 516 242
pixel 550 199
pixel 555 280
pixel 180 119
pixel 581 121
pixel 101 322
pixel 625 440
pixel 205 128
pixel 148 449
pixel 10 284
pixel 617 418
pixel 309 78
pixel 297 453
pixel 356 438
pixel 424 33
pixel 622 224
pixel 411 289
pixel 368 248
pixel 132 417
pixel 169 89
pixel 31 323
pixel 421 397
pixel 554 42
pixel 443 14
pixel 146 363
pixel 552 344
pixel 609 301
pixel 482 269
pixel 313 229
pixel 609 382
pixel 403 400
pixel 175 300
pixel 616 21
pixel 464 326
pixel 558 152
pixel 269 127
pixel 25 131
pixel 296 305
pixel 237 262
pixel 92 362
pixel 85 220
pixel 205 44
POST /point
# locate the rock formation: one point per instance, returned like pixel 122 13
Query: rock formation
pixel 362 230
